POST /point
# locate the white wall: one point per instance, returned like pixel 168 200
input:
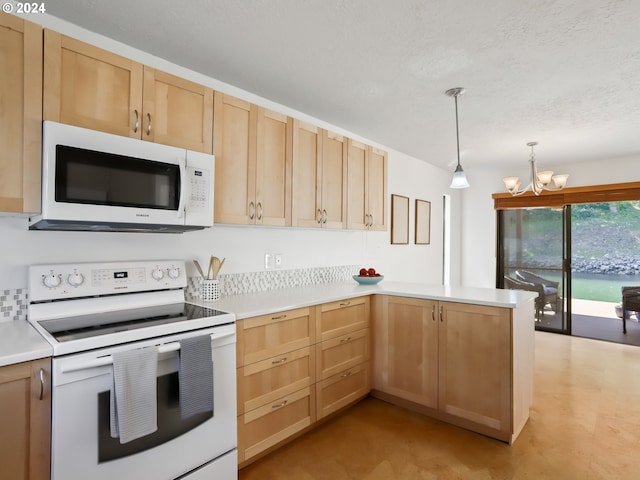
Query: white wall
pixel 244 247
pixel 478 232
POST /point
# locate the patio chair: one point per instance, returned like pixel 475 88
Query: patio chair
pixel 511 283
pixel 548 289
pixel 630 302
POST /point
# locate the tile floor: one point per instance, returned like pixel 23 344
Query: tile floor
pixel 584 424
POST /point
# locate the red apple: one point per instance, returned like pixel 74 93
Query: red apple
pixel 372 272
pixel 363 272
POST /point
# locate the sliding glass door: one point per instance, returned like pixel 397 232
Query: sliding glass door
pixel 532 255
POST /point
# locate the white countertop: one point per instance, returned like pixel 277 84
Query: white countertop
pixel 20 342
pixel 254 304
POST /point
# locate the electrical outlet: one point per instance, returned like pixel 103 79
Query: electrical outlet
pixel 268 261
pixel 278 257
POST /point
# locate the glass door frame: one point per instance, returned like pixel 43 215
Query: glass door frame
pixel 565 267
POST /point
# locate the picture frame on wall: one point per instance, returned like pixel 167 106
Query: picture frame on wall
pixel 399 219
pixel 423 222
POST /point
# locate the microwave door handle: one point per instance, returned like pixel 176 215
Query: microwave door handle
pixel 183 187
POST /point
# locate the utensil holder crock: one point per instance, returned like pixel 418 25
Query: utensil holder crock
pixel 210 290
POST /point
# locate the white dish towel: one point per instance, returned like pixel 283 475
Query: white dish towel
pixel 134 409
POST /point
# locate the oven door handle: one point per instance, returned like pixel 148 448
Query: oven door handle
pixel 108 359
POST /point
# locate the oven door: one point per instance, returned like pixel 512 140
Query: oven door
pixel 81 443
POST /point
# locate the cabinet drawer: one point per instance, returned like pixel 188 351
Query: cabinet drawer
pixel 264 427
pixel 266 336
pixel 338 354
pixel 340 390
pixel 339 318
pixel 266 381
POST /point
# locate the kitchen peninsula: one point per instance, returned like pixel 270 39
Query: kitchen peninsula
pixel 462 355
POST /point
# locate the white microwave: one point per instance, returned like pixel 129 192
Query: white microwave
pixel 95 181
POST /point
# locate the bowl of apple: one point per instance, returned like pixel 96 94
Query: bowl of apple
pixel 368 276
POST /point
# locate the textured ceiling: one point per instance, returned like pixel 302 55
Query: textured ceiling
pixel 565 73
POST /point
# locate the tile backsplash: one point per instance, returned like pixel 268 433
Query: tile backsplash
pixel 253 282
pixel 13 304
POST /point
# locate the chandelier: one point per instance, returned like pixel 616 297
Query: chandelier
pixel 459 178
pixel 539 181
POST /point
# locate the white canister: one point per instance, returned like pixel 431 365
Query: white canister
pixel 209 290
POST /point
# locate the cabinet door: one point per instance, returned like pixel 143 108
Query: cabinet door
pixel 357 211
pixel 177 112
pixel 306 203
pixel 20 114
pixel 340 318
pixel 267 380
pixel 406 349
pixel 259 338
pixel 377 189
pixel 475 364
pixel 90 87
pixel 274 422
pixel 340 390
pixel 234 145
pixel 340 353
pixel 25 417
pixel 273 168
pixel 333 180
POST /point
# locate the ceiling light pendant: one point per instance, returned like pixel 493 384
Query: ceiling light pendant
pixel 539 181
pixel 459 179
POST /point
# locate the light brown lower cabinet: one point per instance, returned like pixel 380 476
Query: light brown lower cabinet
pixel 286 381
pixel 25 416
pixel 270 424
pixel 342 389
pixel 469 365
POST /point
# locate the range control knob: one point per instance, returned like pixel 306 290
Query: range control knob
pixel 174 272
pixel 75 279
pixel 157 274
pixel 51 281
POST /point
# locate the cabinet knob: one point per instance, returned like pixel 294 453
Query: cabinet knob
pixel 252 210
pixel 148 124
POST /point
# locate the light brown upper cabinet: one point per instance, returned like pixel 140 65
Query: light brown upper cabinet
pixel 96 89
pixel 253 163
pixel 367 187
pixel 177 112
pixel 20 114
pixel 319 177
